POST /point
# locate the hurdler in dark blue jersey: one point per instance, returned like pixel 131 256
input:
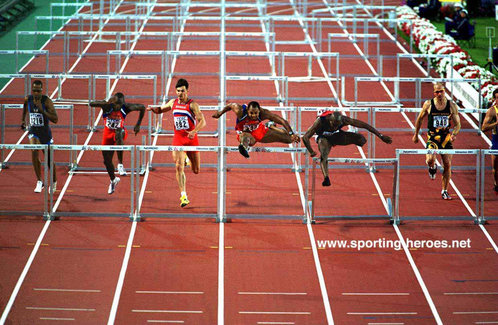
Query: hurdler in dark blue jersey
pixel 328 128
pixel 40 110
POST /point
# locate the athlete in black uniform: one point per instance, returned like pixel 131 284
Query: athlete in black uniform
pixel 440 113
pixel 328 129
pixel 41 110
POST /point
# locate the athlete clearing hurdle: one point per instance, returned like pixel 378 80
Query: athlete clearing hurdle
pixel 491 123
pixel 251 128
pixel 115 110
pixel 328 129
pixel 188 121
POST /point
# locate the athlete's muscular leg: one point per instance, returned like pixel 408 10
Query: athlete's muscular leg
pixel 109 166
pixel 51 162
pixel 35 158
pixel 324 147
pixel 345 138
pixel 275 134
pixel 179 158
pixel 120 141
pixel 195 161
pixel 447 170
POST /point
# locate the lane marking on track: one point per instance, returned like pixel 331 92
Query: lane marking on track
pixel 275 312
pixel 273 293
pixel 67 290
pixel 283 323
pixel 474 312
pixel 167 311
pixel 172 292
pixel 165 321
pixel 61 308
pixel 375 294
pixel 56 318
pixel 469 293
pixel 386 323
pixel 384 313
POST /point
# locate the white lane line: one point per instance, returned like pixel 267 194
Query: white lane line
pixel 61 308
pixel 275 312
pixel 490 239
pixel 167 311
pixel 384 313
pixel 469 293
pixel 67 290
pixel 277 323
pixel 273 293
pixel 474 312
pixel 165 321
pixel 56 318
pixel 173 292
pixel 314 249
pixel 375 294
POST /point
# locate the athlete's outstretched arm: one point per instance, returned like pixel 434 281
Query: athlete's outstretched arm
pixel 99 103
pixel 309 133
pixel 199 117
pixel 360 124
pixel 137 107
pixel 236 108
pixel 490 120
pixel 420 118
pixel 164 108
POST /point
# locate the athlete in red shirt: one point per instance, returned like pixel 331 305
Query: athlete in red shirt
pixel 251 128
pixel 188 120
pixel 115 111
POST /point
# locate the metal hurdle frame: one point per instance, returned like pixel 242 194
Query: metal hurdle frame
pixel 108 78
pixel 45 149
pixel 221 215
pixel 3 126
pixel 133 174
pixel 390 202
pixel 397 100
pixel 400 152
pixel 27 86
pixel 34 53
pixel 482 217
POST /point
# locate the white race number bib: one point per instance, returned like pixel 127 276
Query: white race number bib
pixel 441 121
pixel 113 124
pixel 36 119
pixel 181 123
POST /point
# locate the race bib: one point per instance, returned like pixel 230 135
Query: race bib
pixel 112 124
pixel 441 121
pixel 250 127
pixel 181 123
pixel 36 119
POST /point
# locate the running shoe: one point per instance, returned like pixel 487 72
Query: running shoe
pixel 187 162
pixel 445 195
pixel 121 170
pixel 112 186
pixel 326 181
pixel 39 187
pixel 432 172
pixel 184 201
pixel 243 151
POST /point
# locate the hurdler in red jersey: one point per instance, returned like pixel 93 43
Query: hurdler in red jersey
pixel 251 128
pixel 187 121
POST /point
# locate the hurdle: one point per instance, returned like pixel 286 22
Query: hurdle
pixel 130 149
pixel 283 87
pixel 391 202
pixel 3 126
pixel 483 215
pixel 27 86
pixel 354 38
pixel 74 6
pixel 45 149
pixel 396 83
pixel 34 54
pixel 108 79
pixel 401 152
pixel 221 215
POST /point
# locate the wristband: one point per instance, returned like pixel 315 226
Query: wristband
pixel 291 133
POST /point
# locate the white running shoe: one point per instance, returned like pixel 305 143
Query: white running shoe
pixel 187 162
pixel 39 187
pixel 121 170
pixel 112 186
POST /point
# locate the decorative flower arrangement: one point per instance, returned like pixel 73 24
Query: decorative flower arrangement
pixel 431 41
